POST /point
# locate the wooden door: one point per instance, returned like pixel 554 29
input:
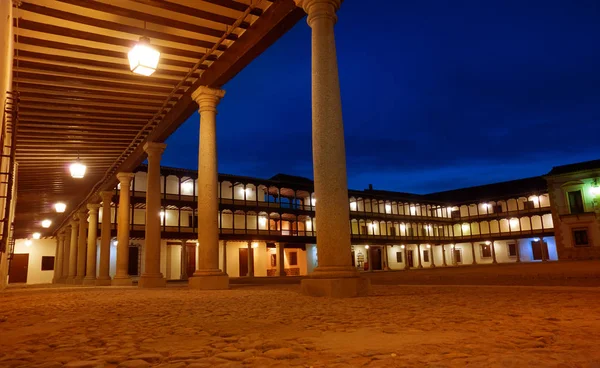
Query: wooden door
pixel 191 259
pixel 536 249
pixel 457 255
pixel 353 259
pixel 18 268
pixel 409 256
pixel 375 254
pixel 243 262
pixel 133 268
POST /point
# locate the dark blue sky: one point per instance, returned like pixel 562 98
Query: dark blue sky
pixel 436 95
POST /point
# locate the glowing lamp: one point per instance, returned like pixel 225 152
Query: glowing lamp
pixel 143 59
pixel 402 246
pixel 60 207
pixel 28 243
pixel 488 242
pixel 536 239
pixel 36 235
pixel 428 246
pixel 366 247
pixel 77 169
pixel 46 223
pixel 254 245
pixel 595 190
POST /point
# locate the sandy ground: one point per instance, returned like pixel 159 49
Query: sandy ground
pixel 275 326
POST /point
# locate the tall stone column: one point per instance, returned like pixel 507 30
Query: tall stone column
pixel 225 256
pixel 419 255
pixel 493 246
pixel 184 260
pixel 431 251
pixel 104 270
pixel 335 275
pixel 386 261
pixel 73 250
pixel 81 246
pixel 517 250
pixel 58 260
pixel 152 277
pixel 90 272
pixel 281 259
pixel 544 250
pixel 444 255
pixel 122 277
pixel 66 254
pixel 405 255
pixel 208 276
pixel 250 260
pixel 473 253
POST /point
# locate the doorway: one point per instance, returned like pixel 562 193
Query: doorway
pixel 537 250
pixel 133 268
pixel 243 262
pixel 410 258
pixel 375 258
pixel 191 259
pixel 18 268
pixel 458 256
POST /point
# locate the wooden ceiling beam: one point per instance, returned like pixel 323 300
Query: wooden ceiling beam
pixel 234 5
pixel 73 97
pixel 36 109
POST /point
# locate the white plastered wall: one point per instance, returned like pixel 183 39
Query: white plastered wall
pixel 39 248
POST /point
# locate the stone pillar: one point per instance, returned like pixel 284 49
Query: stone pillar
pixel 208 276
pixel 473 252
pixel 405 255
pixel 419 255
pixel 250 260
pixel 66 256
pixel 432 247
pixel 122 277
pixel 73 249
pixel 152 277
pixel 104 271
pixel 225 256
pixel 335 275
pixel 518 250
pixel 58 260
pixel 81 246
pixel 493 246
pixel 184 260
pixel 386 266
pixel 281 259
pixel 90 273
pixel 444 255
pixel 544 250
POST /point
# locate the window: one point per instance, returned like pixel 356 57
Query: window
pixel 425 256
pixel 293 258
pixel 455 214
pixel 399 257
pixel 363 229
pixel 575 202
pixel 512 250
pixel 47 263
pixel 392 231
pixel 581 237
pixel 273 260
pixel 497 208
pixel 486 251
pixel 193 220
pixel 529 205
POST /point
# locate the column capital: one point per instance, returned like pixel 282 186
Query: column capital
pixel 207 98
pixel 106 195
pixel 154 148
pixel 93 208
pixel 125 177
pixel 319 9
pixel 74 221
pixel 61 236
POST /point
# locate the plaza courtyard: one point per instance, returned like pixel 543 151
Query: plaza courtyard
pixel 268 325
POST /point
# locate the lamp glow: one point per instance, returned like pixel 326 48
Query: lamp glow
pixel 402 246
pixel 77 169
pixel 46 223
pixel 255 245
pixel 27 243
pixel 262 221
pixel 488 242
pixel 536 239
pixel 60 207
pixel 366 247
pixel 143 59
pixel 36 235
pixel 595 190
pixel 428 246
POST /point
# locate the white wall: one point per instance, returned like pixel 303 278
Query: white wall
pixel 38 249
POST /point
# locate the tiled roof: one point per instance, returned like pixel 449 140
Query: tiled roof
pixel 579 166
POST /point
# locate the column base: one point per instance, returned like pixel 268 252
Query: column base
pixel 348 287
pixel 89 281
pixel 103 282
pixel 152 281
pixel 420 266
pixel 77 281
pixel 122 281
pixel 209 282
pixel 432 266
pixel 69 280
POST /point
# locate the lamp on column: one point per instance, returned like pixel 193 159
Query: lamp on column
pixel 143 59
pixel 77 169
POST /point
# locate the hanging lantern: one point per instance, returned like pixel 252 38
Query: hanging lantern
pixel 77 169
pixel 46 223
pixel 143 59
pixel 60 207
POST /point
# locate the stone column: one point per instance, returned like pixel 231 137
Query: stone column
pixel 73 250
pixel 58 260
pixel 444 255
pixel 66 256
pixel 250 260
pixel 152 277
pixel 335 275
pixel 405 255
pixel 386 266
pixel 122 277
pixel 473 252
pixel 184 260
pixel 431 255
pixel 208 276
pixel 544 250
pixel 281 259
pixel 90 273
pixel 225 256
pixel 81 246
pixel 517 250
pixel 493 247
pixel 419 255
pixel 104 271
